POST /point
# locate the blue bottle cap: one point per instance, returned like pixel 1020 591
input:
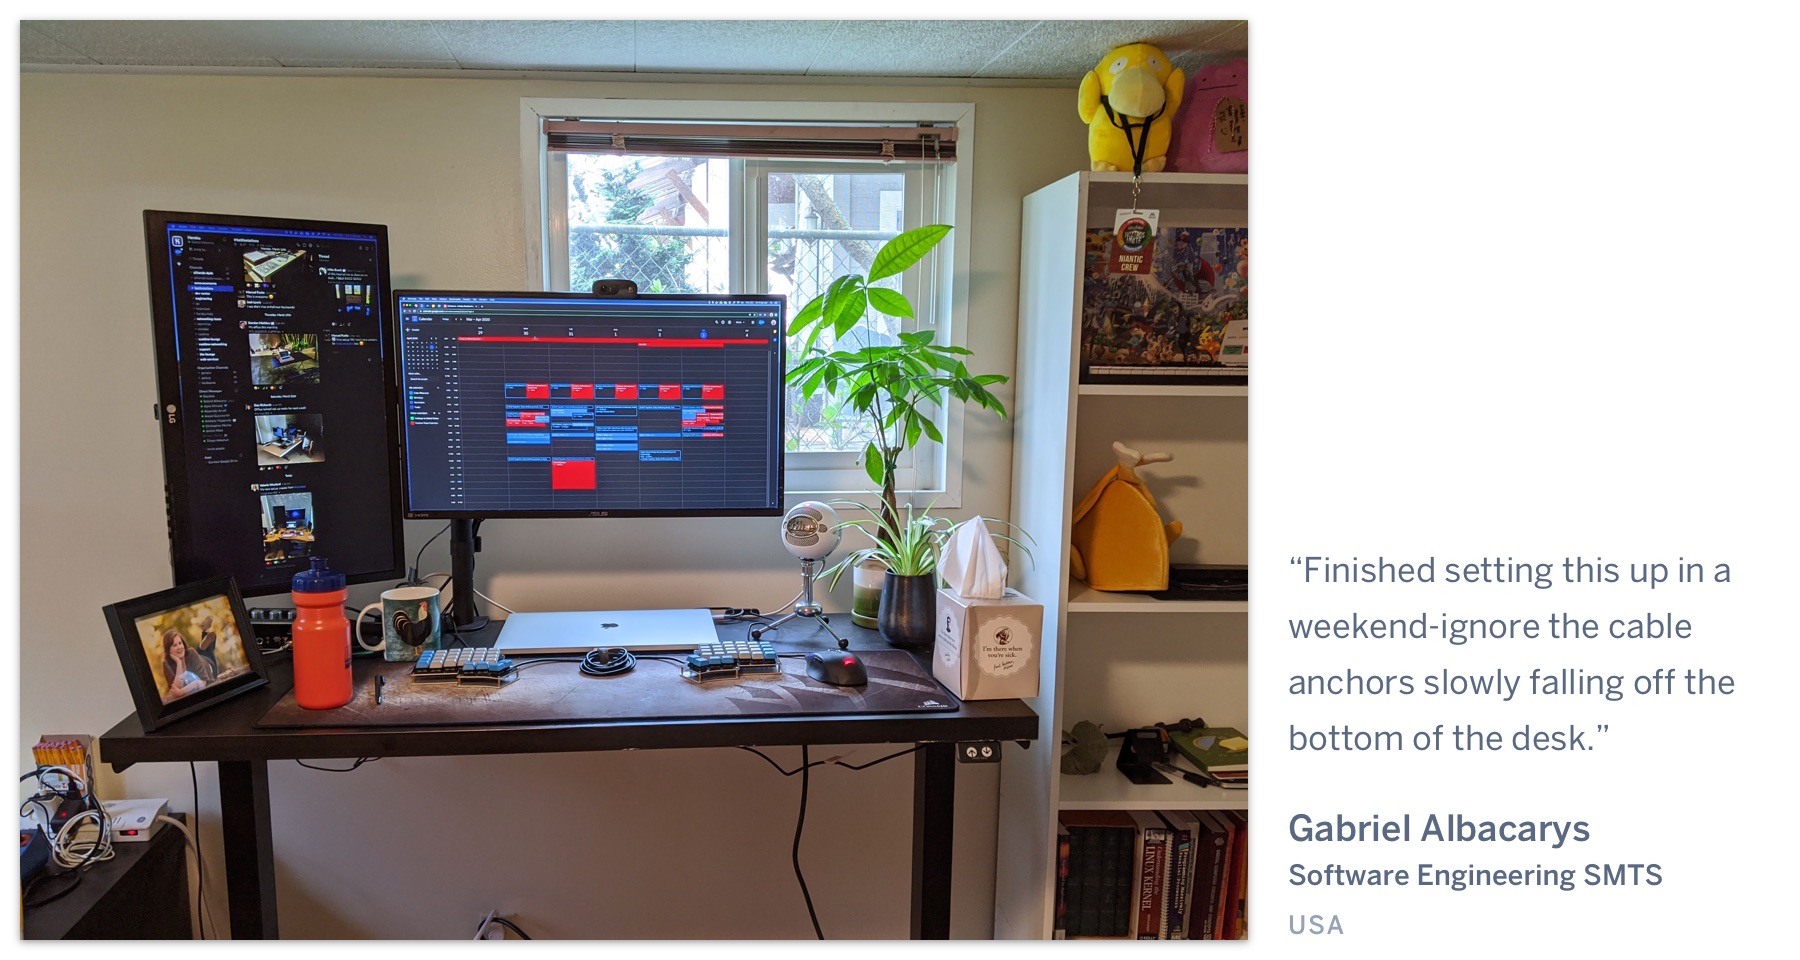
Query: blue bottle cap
pixel 319 579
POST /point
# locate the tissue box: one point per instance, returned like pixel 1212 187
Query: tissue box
pixel 988 649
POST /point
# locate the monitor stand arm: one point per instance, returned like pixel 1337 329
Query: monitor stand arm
pixel 805 607
pixel 463 545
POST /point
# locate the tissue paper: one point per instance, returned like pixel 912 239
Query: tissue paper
pixel 971 565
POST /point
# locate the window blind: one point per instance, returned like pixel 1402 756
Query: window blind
pixel 914 143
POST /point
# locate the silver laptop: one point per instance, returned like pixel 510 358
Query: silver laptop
pixel 578 631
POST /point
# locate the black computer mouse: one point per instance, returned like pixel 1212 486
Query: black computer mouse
pixel 840 668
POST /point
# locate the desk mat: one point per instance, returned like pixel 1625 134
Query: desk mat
pixel 655 690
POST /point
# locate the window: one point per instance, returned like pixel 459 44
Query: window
pixel 692 197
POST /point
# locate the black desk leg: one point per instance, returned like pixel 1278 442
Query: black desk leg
pixel 249 848
pixel 934 810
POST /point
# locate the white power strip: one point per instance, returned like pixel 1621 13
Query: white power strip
pixel 134 821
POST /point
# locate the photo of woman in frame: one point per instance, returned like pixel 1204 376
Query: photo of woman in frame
pixel 185 649
pixel 173 641
pixel 183 670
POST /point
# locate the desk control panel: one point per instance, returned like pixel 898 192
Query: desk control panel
pixel 463 665
pixel 730 659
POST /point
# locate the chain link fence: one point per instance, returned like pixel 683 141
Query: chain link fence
pixel 802 263
pixel 812 258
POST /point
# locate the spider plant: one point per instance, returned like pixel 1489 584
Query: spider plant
pixel 909 547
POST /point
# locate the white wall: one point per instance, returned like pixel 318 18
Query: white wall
pixel 590 845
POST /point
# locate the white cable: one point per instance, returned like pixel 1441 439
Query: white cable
pixel 791 601
pixel 494 603
pixel 73 779
pixel 72 852
pixel 448 579
pixel 177 824
pixel 199 867
pixel 40 817
pixel 65 848
pixel 42 798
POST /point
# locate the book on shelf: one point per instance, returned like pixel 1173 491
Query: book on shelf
pixel 1184 829
pixel 1101 843
pixel 1087 866
pixel 1210 874
pixel 1235 922
pixel 1060 928
pixel 1121 869
pixel 1155 857
pixel 1152 875
pixel 1225 903
pixel 1221 751
pixel 1083 867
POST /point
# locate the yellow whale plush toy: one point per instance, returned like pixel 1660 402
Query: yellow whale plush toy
pixel 1129 103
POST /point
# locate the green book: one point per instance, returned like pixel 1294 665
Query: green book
pixel 1210 748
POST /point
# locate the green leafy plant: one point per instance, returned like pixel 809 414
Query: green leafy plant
pixel 909 547
pixel 895 385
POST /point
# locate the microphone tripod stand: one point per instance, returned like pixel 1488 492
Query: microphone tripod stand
pixel 804 607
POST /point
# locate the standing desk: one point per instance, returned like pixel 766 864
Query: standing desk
pixel 227 735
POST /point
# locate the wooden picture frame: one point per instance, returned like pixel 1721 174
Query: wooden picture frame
pixel 219 657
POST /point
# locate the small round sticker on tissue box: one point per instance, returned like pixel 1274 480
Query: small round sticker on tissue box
pixel 1003 647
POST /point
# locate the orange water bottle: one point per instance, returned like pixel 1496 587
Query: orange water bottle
pixel 321 639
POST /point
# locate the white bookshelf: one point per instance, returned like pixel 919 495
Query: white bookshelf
pixel 1117 659
pixel 1104 791
pixel 1161 390
pixel 1085 599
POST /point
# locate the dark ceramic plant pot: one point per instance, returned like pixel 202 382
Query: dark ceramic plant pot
pixel 908 616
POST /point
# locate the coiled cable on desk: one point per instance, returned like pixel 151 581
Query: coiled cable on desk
pixel 607 662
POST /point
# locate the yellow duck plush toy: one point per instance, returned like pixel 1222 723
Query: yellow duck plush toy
pixel 1129 103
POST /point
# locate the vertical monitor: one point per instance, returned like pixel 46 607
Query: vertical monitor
pixel 568 405
pixel 276 397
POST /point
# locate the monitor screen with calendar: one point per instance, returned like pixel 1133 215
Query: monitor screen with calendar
pixel 567 405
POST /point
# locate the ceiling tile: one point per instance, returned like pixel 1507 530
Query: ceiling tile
pixel 731 46
pixel 37 47
pixel 289 42
pixel 916 48
pixel 1232 37
pixel 349 43
pixel 540 44
pixel 1068 49
pixel 1001 49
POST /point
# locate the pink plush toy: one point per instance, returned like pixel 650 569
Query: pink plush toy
pixel 1212 134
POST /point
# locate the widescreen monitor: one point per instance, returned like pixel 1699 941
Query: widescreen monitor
pixel 569 405
pixel 275 396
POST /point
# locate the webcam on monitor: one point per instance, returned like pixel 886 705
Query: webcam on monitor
pixel 615 288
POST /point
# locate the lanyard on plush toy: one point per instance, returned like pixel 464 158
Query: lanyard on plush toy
pixel 1139 145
